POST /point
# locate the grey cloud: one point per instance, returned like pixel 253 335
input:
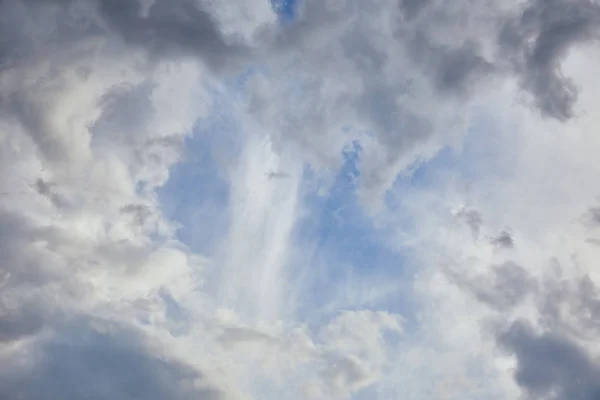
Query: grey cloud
pixel 45 189
pixel 550 366
pixel 347 60
pixel 507 286
pixel 22 321
pixel 170 27
pixel 239 335
pixel 125 111
pixel 572 306
pixel 170 30
pixel 21 265
pixel 29 277
pixel 532 41
pixel 358 47
pixel 398 127
pixel 81 362
pixel 453 70
pixel 538 39
pixel 163 28
pixel 503 240
pixel 326 45
pixel 183 27
pixel 140 213
pixel 554 364
pixel 18 106
pixel 510 286
pixel 411 8
pixel 278 175
pixel 591 219
pixel 347 375
pixel 473 220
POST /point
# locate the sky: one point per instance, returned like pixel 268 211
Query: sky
pixel 299 199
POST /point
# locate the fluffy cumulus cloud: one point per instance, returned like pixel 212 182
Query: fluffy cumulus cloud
pixel 299 199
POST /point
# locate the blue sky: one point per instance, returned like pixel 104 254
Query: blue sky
pixel 286 9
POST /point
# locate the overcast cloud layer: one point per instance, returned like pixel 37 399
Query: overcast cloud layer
pixel 253 199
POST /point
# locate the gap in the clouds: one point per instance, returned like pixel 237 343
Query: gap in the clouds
pixel 352 266
pixel 285 9
pixel 196 192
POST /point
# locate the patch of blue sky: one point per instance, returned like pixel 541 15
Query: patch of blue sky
pixel 196 193
pixel 349 249
pixel 348 246
pixel 285 9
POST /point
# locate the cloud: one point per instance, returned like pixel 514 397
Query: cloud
pixel 538 39
pixel 166 30
pixel 550 366
pixel 411 8
pixel 83 361
pixel 473 220
pixel 503 240
pixel 508 286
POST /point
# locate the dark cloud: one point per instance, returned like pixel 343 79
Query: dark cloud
pixel 452 70
pixel 536 42
pixel 46 189
pixel 171 27
pixel 532 41
pixel 503 240
pixel 21 321
pixel 550 366
pixel 125 111
pixel 411 8
pixel 81 362
pixel 360 49
pixel 592 218
pixel 555 363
